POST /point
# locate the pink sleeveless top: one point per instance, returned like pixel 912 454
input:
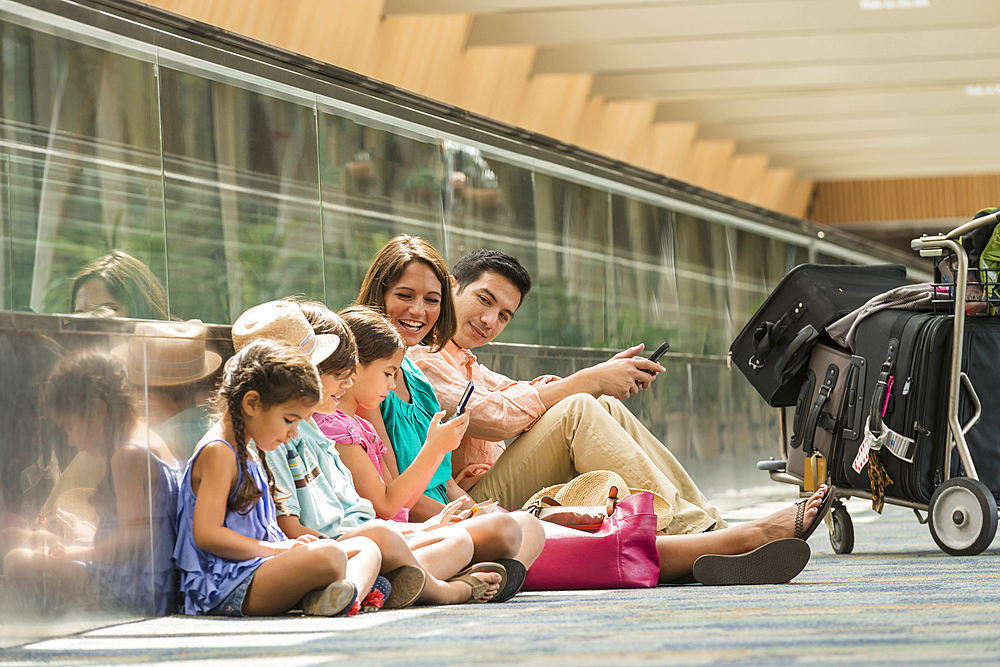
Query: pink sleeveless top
pixel 343 429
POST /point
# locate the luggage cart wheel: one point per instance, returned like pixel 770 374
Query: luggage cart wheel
pixel 841 529
pixel 963 516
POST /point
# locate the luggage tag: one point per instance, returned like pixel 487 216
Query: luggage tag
pixel 815 472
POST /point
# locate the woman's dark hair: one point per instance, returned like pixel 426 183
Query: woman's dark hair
pixel 129 281
pixel 387 269
pixel 75 382
pixel 278 373
pixel 374 334
pixel 473 265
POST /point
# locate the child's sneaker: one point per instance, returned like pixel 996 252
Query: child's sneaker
pixel 377 596
pixel 337 599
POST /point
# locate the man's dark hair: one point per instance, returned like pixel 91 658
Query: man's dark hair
pixel 469 269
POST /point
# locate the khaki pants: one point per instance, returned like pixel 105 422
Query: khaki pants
pixel 581 434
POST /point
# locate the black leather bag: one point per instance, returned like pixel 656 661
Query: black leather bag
pixel 773 349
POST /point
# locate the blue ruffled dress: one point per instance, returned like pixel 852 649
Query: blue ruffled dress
pixel 206 579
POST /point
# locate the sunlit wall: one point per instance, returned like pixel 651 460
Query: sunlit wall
pixel 237 180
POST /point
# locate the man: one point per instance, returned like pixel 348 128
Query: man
pixel 561 427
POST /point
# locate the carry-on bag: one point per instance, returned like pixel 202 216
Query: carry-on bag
pixel 773 349
pixel 830 401
pixel 905 403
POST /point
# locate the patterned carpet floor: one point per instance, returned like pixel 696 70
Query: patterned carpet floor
pixel 896 600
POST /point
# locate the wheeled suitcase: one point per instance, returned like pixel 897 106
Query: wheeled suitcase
pixel 773 348
pixel 981 363
pixel 830 401
pixel 905 405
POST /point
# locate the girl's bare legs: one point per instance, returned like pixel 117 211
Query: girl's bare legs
pixel 282 581
pixel 496 535
pixel 532 537
pixel 441 553
pixel 364 562
pixel 679 552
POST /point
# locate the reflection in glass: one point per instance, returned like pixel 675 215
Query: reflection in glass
pixel 242 198
pixel 109 536
pixel 574 267
pixel 81 136
pixel 119 285
pixel 489 203
pixel 648 308
pixel 376 185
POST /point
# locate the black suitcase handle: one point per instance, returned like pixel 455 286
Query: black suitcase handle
pixel 881 389
pixel 812 421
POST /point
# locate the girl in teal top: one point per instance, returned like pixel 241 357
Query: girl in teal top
pixel 407 424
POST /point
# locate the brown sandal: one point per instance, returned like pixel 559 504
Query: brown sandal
pixel 824 508
pixel 480 587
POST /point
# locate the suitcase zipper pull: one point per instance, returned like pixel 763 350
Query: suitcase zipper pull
pixel 906 387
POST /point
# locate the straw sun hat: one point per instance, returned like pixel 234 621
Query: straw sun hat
pixel 591 488
pixel 165 354
pixel 283 321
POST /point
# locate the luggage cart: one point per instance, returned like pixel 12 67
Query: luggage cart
pixel 962 511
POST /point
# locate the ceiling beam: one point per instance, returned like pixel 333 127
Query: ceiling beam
pixel 842 103
pixel 741 52
pixel 676 20
pixel 681 85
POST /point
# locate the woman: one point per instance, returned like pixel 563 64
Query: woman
pixel 408 281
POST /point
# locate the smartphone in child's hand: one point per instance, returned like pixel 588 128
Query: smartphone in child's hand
pixel 659 352
pixel 464 401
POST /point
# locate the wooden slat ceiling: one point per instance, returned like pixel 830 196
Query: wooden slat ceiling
pixel 834 89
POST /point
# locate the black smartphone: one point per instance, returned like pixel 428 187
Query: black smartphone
pixel 657 353
pixel 464 401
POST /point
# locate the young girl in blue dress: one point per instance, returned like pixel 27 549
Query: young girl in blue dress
pixel 232 556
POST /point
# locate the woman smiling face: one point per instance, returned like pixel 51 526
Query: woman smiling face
pixel 413 303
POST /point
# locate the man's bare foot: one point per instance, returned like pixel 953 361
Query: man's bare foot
pixel 782 523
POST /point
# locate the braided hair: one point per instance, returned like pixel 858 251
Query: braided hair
pixel 279 373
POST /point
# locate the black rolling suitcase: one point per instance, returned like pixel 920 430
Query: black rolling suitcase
pixel 773 348
pixel 905 403
pixel 981 362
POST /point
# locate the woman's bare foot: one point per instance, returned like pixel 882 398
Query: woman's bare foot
pixel 462 591
pixel 782 523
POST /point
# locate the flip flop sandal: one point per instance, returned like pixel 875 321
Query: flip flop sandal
pixel 516 575
pixel 337 599
pixel 824 508
pixel 407 583
pixel 776 562
pixel 480 587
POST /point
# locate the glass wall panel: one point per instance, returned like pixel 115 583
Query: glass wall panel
pixel 242 197
pixel 489 203
pixel 701 266
pixel 376 184
pixel 80 135
pixel 648 308
pixel 573 285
